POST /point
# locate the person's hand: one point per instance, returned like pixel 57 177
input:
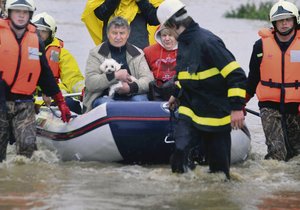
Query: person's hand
pixel 125 89
pixel 65 112
pixel 64 109
pixel 173 103
pixel 244 110
pixel 247 99
pixel 122 75
pixel 237 119
pixel 46 99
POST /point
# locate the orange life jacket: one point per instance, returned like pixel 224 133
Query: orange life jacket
pixel 279 73
pixel 52 55
pixel 19 64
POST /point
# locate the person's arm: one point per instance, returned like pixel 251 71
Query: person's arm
pixel 46 80
pixel 174 101
pixel 235 79
pixel 254 69
pixel 230 70
pixel 49 86
pixel 144 76
pixel 148 11
pixel 106 9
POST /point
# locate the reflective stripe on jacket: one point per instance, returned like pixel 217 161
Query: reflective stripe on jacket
pixel 279 73
pixel 19 64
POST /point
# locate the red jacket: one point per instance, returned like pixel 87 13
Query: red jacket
pixel 161 62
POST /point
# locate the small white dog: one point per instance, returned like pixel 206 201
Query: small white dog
pixel 111 65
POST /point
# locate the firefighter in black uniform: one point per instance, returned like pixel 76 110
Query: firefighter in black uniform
pixel 210 94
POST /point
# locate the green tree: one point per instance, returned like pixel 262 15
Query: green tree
pixel 251 11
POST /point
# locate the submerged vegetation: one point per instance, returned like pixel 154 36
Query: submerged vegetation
pixel 251 11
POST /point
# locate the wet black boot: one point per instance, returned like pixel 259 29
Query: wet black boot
pixel 178 162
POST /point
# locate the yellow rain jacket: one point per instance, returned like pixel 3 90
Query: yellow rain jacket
pixel 71 78
pixel 127 9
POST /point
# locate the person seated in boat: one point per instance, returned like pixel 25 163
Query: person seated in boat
pixel 161 58
pixel 133 63
pixel 62 63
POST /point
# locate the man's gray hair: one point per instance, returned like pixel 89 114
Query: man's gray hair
pixel 118 21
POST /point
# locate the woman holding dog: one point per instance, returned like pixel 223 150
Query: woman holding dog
pixel 133 63
pixel 161 58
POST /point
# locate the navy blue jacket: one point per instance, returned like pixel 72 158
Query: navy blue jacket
pixel 212 82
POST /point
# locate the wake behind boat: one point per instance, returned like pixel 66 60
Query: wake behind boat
pixel 131 132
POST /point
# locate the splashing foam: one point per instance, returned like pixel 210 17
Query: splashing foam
pixel 46 156
pixel 39 156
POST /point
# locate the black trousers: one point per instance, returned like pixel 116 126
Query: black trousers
pixel 216 146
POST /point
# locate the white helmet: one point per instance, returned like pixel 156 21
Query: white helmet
pixel 283 10
pixel 44 21
pixel 167 9
pixel 28 5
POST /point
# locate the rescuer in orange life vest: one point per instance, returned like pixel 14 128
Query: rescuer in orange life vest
pixel 274 77
pixel 23 66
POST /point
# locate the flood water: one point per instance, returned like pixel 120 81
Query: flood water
pixel 44 182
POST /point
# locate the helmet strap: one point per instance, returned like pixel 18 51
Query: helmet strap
pixel 286 33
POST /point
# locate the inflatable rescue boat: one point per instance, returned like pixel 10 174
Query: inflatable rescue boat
pixel 131 132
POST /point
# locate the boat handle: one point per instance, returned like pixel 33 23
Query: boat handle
pixel 168 141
